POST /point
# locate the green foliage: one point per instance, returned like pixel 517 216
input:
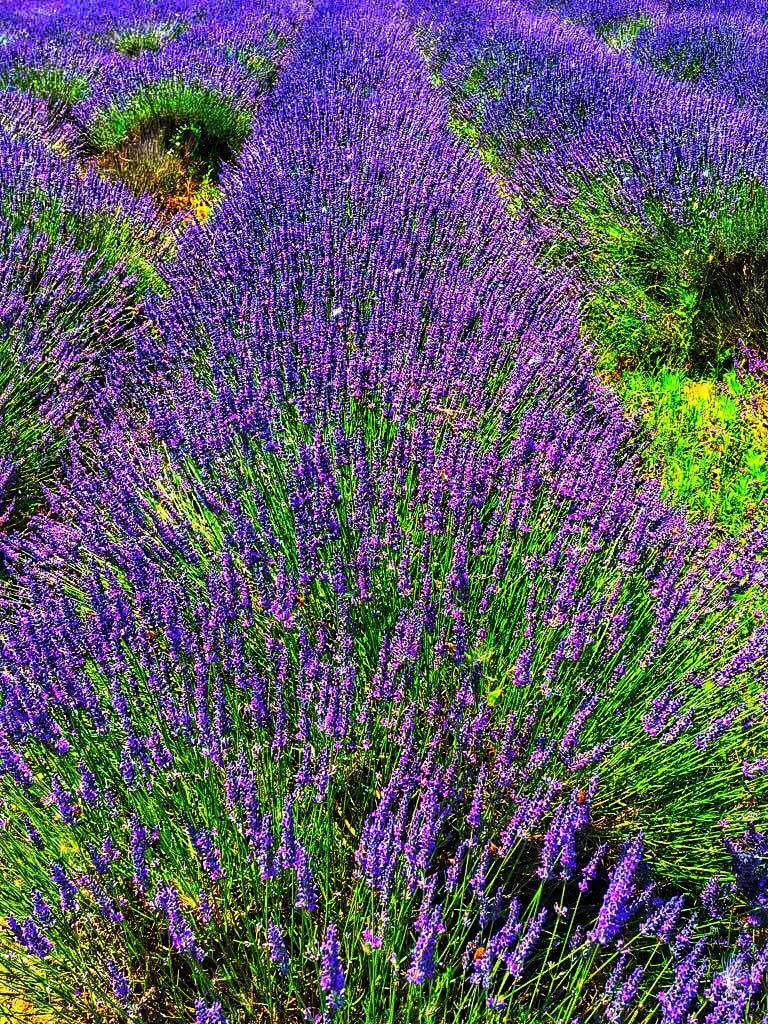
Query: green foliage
pixel 169 141
pixel 681 294
pixel 263 64
pixel 674 792
pixel 167 106
pixel 671 303
pixel 58 86
pixel 139 38
pixel 680 64
pixel 709 442
pixel 620 33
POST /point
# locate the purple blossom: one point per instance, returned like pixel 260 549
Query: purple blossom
pixel 205 1014
pixel 422 965
pixel 306 891
pixel 278 952
pixel 121 987
pixel 515 960
pixel 205 848
pixel 677 1000
pixel 620 900
pixel 42 910
pixel 66 888
pixel 29 935
pixel 139 845
pixel 332 980
pixel 180 932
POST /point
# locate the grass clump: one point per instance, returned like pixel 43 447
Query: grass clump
pixel 168 169
pixel 163 106
pixel 170 141
pixel 686 291
pixel 621 33
pixel 138 39
pixel 58 86
pixel 709 441
pixel 674 302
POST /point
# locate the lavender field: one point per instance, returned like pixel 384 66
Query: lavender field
pixel 383 511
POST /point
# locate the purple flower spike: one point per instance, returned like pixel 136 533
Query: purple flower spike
pixel 332 980
pixel 620 901
pixel 30 936
pixel 278 952
pixel 121 987
pixel 212 1014
pixel 422 966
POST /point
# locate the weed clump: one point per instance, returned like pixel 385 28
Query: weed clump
pixel 60 87
pixel 170 141
pixel 138 39
pixel 685 291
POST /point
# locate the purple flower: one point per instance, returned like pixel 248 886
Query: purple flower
pixel 181 934
pixel 474 817
pixel 332 979
pixel 212 1014
pixel 620 900
pixel 89 788
pixel 371 938
pixel 30 936
pixel 13 764
pixel 121 987
pixel 749 856
pixel 306 895
pixel 42 910
pixel 205 848
pixel 515 961
pixel 590 869
pixel 662 921
pixel 623 992
pixel 559 847
pixel 67 889
pixel 139 844
pixel 422 966
pixel 751 769
pixel 278 952
pixel 677 1000
pixel 63 801
pixel 711 897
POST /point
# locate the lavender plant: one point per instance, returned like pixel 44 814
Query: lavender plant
pixel 356 671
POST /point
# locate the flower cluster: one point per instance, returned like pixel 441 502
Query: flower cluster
pixel 353 668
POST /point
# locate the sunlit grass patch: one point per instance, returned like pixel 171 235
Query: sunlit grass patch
pixel 709 441
pixel 622 32
pixel 165 169
pixel 673 304
pixel 59 86
pixel 138 39
pixel 685 291
pixel 170 141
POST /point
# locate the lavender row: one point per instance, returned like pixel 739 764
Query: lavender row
pixel 356 672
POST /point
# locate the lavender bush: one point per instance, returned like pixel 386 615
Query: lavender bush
pixel 354 668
